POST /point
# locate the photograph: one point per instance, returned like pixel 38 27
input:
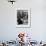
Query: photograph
pixel 23 17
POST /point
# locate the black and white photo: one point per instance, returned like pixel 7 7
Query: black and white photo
pixel 22 17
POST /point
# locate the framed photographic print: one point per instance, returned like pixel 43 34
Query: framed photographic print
pixel 23 17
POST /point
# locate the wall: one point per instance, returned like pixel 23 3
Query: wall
pixel 8 28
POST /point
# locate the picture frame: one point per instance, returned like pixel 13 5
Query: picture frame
pixel 23 17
